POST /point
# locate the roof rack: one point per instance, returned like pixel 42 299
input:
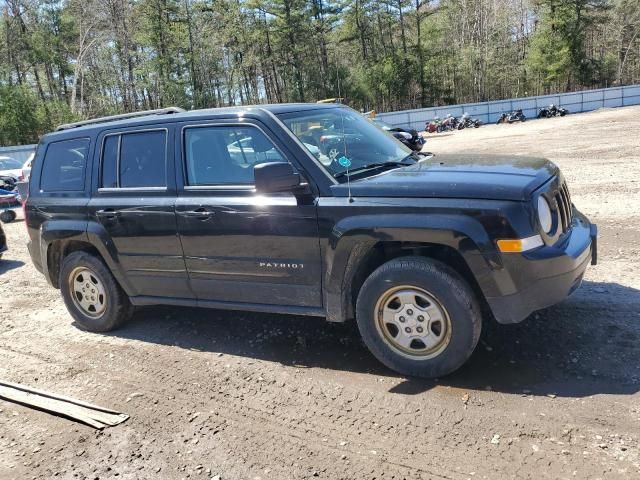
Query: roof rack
pixel 122 116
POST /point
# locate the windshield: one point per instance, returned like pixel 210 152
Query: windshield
pixel 9 164
pixel 343 139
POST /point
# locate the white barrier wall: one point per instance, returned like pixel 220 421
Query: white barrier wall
pixel 20 153
pixel 489 112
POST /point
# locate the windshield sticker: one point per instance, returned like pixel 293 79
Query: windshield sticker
pixel 344 162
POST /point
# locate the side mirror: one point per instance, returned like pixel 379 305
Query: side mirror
pixel 276 177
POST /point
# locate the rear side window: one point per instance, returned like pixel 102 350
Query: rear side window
pixel 64 166
pixel 135 160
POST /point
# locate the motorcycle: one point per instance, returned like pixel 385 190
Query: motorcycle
pixel 449 123
pixel 515 116
pixel 437 126
pixel 467 122
pixel 433 126
pixel 552 111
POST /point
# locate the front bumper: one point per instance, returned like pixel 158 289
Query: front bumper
pixel 545 276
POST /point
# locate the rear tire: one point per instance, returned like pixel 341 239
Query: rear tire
pixel 418 317
pixel 92 295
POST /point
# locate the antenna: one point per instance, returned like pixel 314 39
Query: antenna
pixel 347 161
pixel 344 140
pixel 349 186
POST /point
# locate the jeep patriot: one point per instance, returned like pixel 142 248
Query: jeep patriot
pixel 306 209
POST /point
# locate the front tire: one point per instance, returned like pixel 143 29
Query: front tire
pixel 92 295
pixel 418 317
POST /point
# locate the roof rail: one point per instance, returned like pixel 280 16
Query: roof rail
pixel 122 116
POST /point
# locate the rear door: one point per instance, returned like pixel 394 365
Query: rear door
pixel 134 202
pixel 240 246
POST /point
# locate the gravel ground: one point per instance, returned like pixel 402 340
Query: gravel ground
pixel 234 395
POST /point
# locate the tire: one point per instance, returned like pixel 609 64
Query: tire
pixel 454 302
pixel 110 310
pixel 7 216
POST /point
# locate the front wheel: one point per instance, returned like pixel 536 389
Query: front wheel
pixel 418 317
pixel 92 296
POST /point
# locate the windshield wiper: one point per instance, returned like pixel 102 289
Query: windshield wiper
pixel 370 166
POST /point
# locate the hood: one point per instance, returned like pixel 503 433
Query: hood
pixel 487 177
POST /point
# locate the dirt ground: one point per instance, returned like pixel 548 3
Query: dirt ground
pixel 231 395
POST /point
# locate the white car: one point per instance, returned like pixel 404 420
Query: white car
pixel 10 167
pixel 26 168
pixel 242 152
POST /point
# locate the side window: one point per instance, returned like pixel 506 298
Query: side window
pixel 64 166
pixel 135 160
pixel 110 161
pixel 226 155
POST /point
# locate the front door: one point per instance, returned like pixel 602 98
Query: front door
pixel 239 246
pixel 135 205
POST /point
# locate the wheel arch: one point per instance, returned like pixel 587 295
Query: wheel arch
pixel 59 240
pixel 462 243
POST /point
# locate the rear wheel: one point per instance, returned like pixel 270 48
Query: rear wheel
pixel 418 317
pixel 91 294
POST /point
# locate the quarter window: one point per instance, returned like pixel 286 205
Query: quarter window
pixel 226 155
pixel 64 166
pixel 135 160
pixel 110 162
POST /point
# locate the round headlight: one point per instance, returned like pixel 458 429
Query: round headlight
pixel 544 214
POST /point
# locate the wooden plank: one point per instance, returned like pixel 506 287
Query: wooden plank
pixel 93 415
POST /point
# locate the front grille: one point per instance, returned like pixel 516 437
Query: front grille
pixel 565 211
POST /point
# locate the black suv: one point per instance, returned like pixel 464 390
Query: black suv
pixel 239 208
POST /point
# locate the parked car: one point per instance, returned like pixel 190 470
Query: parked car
pixel 26 168
pixel 3 242
pixel 408 136
pixel 153 208
pixel 10 167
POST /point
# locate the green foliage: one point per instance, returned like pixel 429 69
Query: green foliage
pixel 550 58
pixel 19 122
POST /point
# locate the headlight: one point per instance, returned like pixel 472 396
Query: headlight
pixel 544 214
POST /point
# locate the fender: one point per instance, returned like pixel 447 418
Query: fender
pixel 82 231
pixel 352 238
pixel 99 238
pixel 54 230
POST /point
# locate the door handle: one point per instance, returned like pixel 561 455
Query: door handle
pixel 108 213
pixel 199 213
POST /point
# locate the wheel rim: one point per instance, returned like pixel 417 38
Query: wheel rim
pixel 413 322
pixel 88 292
